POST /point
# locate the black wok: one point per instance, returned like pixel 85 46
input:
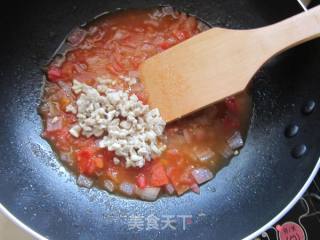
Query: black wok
pixel 246 197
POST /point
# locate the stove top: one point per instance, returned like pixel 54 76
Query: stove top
pixel 302 222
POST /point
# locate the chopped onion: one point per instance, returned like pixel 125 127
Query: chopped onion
pixel 200 134
pixel 120 34
pixel 127 188
pixel 195 188
pixel 202 175
pixel 187 136
pixel 227 152
pixel 66 157
pixel 83 181
pixel 108 185
pixel 92 30
pixel 167 10
pixel 133 74
pixel 44 107
pixel 54 124
pixel 148 193
pixel 58 60
pixel 175 141
pixel 147 47
pixel 170 188
pixel 53 109
pixel 66 88
pixel 76 36
pixel 204 153
pixel 235 141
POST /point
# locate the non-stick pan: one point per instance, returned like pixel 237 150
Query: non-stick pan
pixel 259 186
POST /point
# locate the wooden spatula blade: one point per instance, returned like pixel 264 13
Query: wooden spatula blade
pixel 198 72
pixel 218 63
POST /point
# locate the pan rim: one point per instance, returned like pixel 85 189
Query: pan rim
pixel 252 235
pixel 290 205
pixel 20 224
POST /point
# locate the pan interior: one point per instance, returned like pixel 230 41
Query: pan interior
pixel 244 196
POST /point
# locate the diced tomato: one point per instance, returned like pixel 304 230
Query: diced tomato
pixel 158 175
pixel 83 142
pixel 232 105
pixel 67 71
pixel 165 45
pixel 54 74
pixel 141 180
pixel 142 97
pixel 85 161
pixel 174 175
pixel 180 35
pixel 108 155
pixel 186 176
pixel 230 123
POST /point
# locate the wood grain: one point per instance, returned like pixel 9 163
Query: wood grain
pixel 218 63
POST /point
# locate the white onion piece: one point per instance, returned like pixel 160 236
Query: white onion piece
pixel 148 193
pixel 120 34
pixel 66 88
pixel 58 60
pixel 76 37
pixel 204 153
pixel 53 109
pixel 170 188
pixel 167 10
pixel 227 152
pixel 66 157
pixel 158 40
pixel 108 185
pixel 176 140
pixel 127 188
pixel 147 47
pixel 202 175
pixel 83 181
pixel 195 188
pixel 235 141
pixel 92 30
pixel 187 136
pixel 54 124
pixel 133 74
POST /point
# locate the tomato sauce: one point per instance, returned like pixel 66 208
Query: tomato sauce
pixel 114 46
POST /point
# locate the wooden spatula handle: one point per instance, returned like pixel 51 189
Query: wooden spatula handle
pixel 291 32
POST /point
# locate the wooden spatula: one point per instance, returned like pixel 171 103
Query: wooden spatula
pixel 218 63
